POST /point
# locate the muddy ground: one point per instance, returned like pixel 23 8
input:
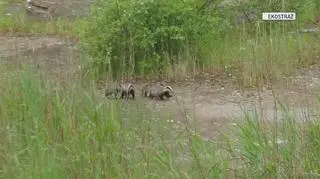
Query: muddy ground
pixel 214 102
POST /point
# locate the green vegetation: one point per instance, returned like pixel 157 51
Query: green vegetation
pixel 49 130
pixel 69 132
pixel 61 27
pixel 147 36
pixel 175 39
pixel 150 38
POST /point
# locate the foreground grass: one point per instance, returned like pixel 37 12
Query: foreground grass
pixel 70 132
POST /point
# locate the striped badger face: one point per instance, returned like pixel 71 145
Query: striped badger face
pixel 167 91
pixel 157 90
pixel 127 91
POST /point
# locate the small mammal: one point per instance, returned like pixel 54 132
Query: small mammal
pixel 112 91
pixel 157 91
pixel 127 90
pixel 124 90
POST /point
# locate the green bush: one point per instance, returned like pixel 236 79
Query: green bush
pixel 175 38
pixel 146 36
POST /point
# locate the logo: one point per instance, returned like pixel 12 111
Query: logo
pixel 279 16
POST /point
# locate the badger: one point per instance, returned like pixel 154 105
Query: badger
pixel 157 91
pixel 127 90
pixel 113 91
pixel 124 90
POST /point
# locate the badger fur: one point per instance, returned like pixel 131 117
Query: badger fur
pixel 157 91
pixel 127 90
pixel 113 91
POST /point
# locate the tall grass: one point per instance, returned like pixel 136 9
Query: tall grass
pixel 264 56
pixel 265 150
pixel 72 132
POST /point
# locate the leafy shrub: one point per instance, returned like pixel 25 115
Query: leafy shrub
pixel 137 36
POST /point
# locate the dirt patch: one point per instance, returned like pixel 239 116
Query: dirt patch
pixel 215 108
pixel 51 55
pixel 19 44
pixel 59 8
